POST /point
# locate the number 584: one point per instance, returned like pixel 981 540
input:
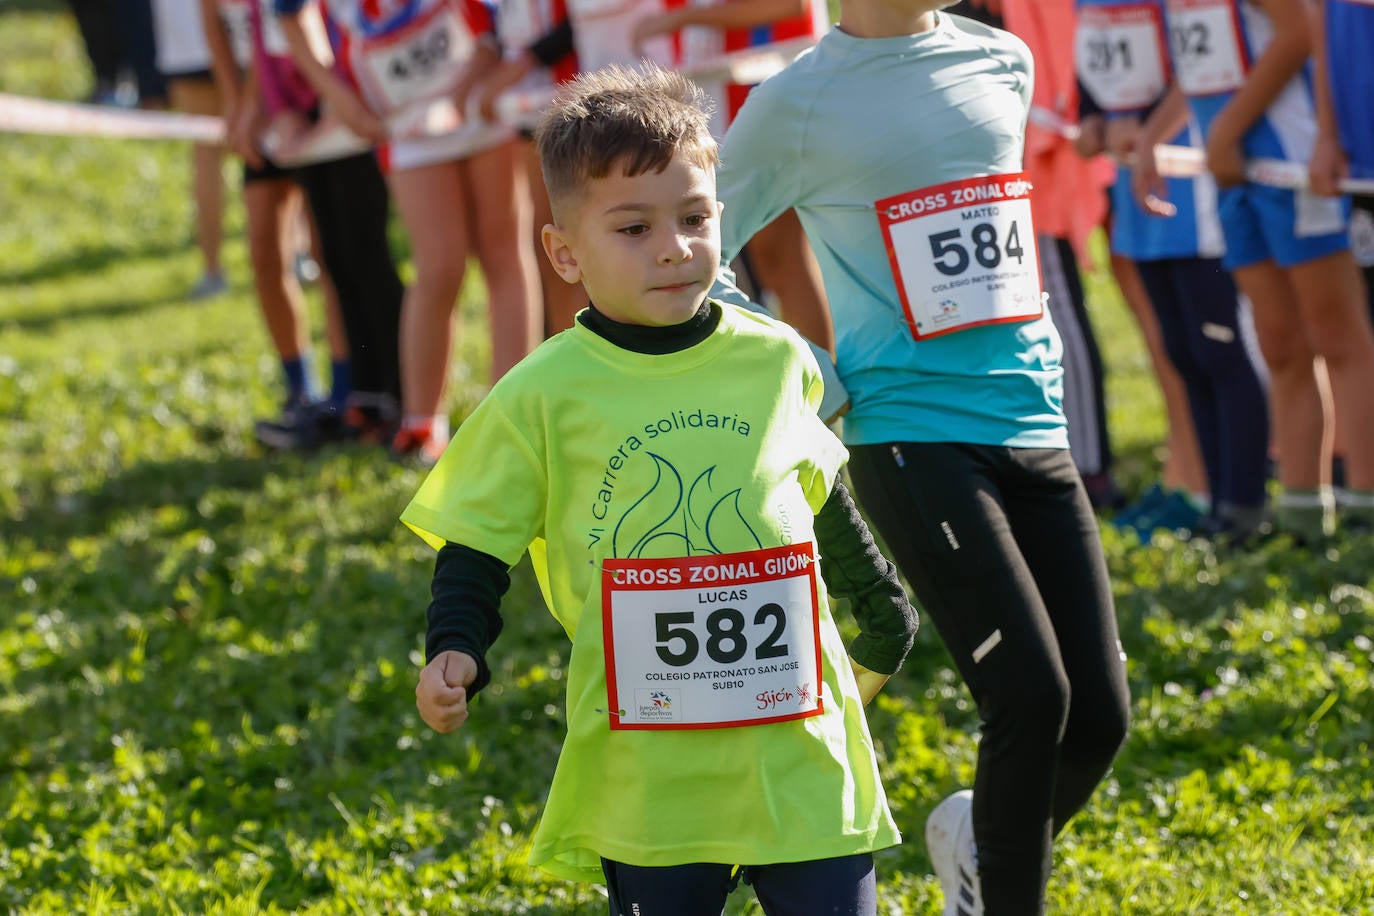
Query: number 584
pixel 987 250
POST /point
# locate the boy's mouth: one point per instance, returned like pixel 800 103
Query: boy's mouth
pixel 675 287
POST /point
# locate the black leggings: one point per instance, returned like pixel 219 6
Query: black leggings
pixel 349 201
pixel 844 886
pixel 1200 319
pixel 1002 550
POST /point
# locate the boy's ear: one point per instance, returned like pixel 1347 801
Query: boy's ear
pixel 561 256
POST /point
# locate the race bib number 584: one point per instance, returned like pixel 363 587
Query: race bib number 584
pixel 712 641
pixel 963 254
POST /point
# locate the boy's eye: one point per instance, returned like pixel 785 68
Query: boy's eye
pixel 636 230
pixel 697 219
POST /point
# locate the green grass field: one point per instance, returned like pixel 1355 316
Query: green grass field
pixel 208 653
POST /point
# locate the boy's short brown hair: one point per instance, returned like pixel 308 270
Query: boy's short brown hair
pixel 638 119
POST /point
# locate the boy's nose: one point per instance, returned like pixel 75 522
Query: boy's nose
pixel 677 248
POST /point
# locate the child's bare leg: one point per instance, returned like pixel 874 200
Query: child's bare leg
pixel 196 96
pixel 1330 293
pixel 1183 467
pixel 429 199
pixel 269 206
pixel 1299 400
pixel 501 224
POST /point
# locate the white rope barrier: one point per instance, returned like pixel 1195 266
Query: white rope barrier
pixel 1190 162
pixel 20 114
pixel 331 140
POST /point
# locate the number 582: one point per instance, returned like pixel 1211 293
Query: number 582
pixel 679 644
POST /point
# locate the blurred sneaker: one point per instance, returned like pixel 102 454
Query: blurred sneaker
pixel 1234 533
pixel 207 287
pixel 953 854
pixel 417 447
pixel 1146 504
pixel 367 426
pixel 302 426
pixel 104 93
pixel 1176 512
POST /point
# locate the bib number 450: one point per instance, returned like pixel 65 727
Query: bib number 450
pixel 679 644
pixel 986 250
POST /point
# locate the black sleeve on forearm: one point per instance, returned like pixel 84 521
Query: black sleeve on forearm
pixel 855 569
pixel 465 613
pixel 553 45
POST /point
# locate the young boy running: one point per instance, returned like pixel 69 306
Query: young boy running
pixel 898 139
pixel 662 461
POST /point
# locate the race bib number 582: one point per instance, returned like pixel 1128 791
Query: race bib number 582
pixel 712 641
pixel 963 254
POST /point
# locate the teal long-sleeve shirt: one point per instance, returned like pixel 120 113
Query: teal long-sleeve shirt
pixel 854 121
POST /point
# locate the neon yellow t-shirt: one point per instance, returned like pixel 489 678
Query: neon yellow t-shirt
pixel 703 468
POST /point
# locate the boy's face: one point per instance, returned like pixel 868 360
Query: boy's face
pixel 645 247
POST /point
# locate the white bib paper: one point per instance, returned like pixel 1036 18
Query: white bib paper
pixel 415 64
pixel 712 641
pixel 1120 55
pixel 963 254
pixel 1209 49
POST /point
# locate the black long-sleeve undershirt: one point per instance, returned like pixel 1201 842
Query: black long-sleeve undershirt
pixel 464 613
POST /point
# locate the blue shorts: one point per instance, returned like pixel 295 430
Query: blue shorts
pixel 1274 224
pixel 843 886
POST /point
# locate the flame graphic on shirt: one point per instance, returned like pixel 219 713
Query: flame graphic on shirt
pixel 674 520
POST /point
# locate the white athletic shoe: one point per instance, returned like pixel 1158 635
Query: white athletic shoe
pixel 949 840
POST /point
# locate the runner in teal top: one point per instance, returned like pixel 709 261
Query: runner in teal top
pixel 801 142
pixel 898 139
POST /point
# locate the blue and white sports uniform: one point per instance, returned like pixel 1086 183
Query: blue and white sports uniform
pixel 1350 52
pixel 1214 44
pixel 1121 53
pixel 1193 232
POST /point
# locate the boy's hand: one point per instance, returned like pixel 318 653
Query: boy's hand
pixel 357 117
pixel 650 26
pixel 1149 190
pixel 1328 166
pixel 1091 136
pixel 291 128
pixel 1123 136
pixel 870 682
pixel 505 75
pixel 1224 159
pixel 442 693
pixel 243 135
